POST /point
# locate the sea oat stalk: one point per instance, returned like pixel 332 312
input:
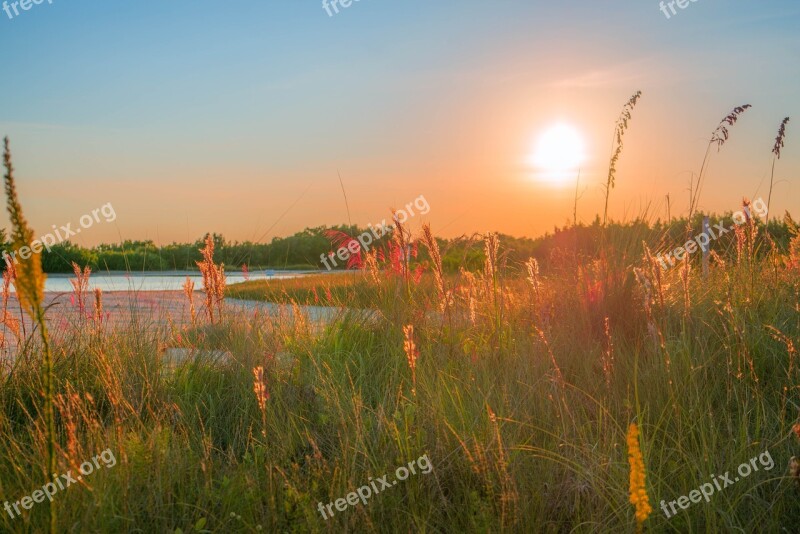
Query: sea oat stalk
pixel 80 285
pixel 776 151
pixel 262 396
pixel 616 146
pixel 559 378
pixel 213 280
pixel 401 238
pixel 608 353
pixel 491 248
pixel 9 321
pixel 98 307
pixel 29 283
pixel 188 290
pixel 532 267
pixel 718 137
pixel 438 271
pixel 410 348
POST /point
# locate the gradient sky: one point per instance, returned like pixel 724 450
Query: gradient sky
pixel 234 117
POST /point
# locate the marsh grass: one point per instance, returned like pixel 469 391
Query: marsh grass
pixel 351 288
pixel 513 446
pixel 521 388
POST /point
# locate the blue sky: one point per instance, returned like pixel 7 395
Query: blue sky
pixel 208 116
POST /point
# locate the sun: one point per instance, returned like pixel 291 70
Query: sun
pixel 559 153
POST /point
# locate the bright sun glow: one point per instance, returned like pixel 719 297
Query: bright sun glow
pixel 559 153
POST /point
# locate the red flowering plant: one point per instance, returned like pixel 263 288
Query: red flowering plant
pixel 341 240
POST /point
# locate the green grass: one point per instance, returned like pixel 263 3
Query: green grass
pixel 313 290
pixel 513 449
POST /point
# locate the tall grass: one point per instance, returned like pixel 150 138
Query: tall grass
pixel 719 137
pixel 29 283
pixel 776 152
pixel 616 147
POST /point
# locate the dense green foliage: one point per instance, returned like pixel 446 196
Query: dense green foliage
pixel 303 249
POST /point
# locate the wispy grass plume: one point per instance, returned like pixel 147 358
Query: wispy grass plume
pixel 718 137
pixel 776 151
pixel 616 146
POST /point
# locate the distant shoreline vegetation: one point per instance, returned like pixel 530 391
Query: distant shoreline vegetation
pixel 302 250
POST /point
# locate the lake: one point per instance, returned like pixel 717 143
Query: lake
pixel 158 281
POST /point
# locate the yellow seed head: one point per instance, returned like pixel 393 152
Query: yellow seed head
pixel 638 493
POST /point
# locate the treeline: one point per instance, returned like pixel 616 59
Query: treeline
pixel 300 251
pixel 303 249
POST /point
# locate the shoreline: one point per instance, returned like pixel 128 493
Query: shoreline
pixel 186 273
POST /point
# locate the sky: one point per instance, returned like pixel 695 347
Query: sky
pixel 238 117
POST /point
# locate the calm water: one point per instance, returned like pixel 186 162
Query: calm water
pixel 171 281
